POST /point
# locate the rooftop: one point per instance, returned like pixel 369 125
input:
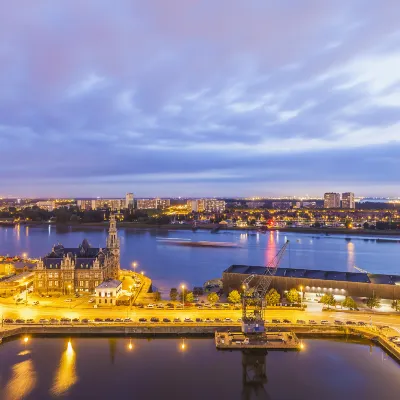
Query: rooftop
pixel 355 277
pixel 111 284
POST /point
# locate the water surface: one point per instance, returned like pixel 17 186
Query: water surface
pixel 96 368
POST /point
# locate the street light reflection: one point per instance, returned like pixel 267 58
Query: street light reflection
pixel 22 381
pixel 66 374
pixel 130 345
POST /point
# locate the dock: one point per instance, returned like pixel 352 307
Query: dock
pixel 265 340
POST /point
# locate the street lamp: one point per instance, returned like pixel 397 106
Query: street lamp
pixel 183 296
pixel 134 265
pixel 301 298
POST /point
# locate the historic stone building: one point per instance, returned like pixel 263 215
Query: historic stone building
pixel 69 270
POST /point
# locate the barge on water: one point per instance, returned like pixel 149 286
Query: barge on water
pixel 198 244
pixel 265 340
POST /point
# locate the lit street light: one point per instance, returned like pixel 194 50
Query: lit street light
pixel 183 296
pixel 301 298
pixel 134 265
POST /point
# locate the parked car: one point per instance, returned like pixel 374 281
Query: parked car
pixel 91 300
pixel 35 303
pixel 118 320
pixel 361 323
pixel 19 321
pixel 338 322
pixel 8 321
pixel 30 321
pixel 85 321
pixel 287 321
pixel 166 320
pixel 199 320
pixel 43 321
pixel 109 320
pixel 127 320
pixel 177 320
pixel 300 321
pixel 54 321
pixel 276 321
pixel 75 320
pixel 142 320
pixel 67 300
pixel 98 320
pixel 350 323
pixel 325 322
pixel 154 319
pixel 188 320
pixel 217 320
pixel 228 320
pixel 312 322
pixel 150 306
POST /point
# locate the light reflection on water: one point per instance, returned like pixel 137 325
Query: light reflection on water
pixel 22 381
pixel 104 368
pixel 65 376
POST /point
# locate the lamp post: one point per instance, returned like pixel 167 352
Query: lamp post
pixel 301 297
pixel 183 296
pixel 134 265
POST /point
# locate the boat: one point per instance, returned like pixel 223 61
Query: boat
pixel 202 243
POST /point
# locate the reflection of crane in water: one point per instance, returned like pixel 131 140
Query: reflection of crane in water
pixel 254 375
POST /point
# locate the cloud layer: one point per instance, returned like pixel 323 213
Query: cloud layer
pixel 197 97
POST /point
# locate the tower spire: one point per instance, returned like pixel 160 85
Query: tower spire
pixel 113 245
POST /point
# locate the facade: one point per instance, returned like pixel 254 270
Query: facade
pixel 207 205
pixel 108 292
pixel 129 201
pixel 348 200
pixel 68 270
pixel 335 282
pixel 84 205
pixel 46 205
pixel 153 204
pixel 332 200
pixel 112 204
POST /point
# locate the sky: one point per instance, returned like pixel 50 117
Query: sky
pixel 199 97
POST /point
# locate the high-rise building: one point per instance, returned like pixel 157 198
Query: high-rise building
pixel 129 200
pixel 149 204
pixel 207 205
pixel 84 205
pixel 348 200
pixel 112 204
pixel 332 200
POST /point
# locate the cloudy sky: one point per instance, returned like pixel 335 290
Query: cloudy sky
pixel 199 97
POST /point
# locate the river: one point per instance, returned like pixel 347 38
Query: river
pixel 170 265
pixel 100 368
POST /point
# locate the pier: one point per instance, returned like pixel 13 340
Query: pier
pixel 267 341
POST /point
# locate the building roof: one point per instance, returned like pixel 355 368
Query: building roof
pixel 355 277
pixel 111 284
pixel 84 255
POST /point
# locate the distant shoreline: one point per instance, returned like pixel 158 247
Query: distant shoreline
pixel 142 226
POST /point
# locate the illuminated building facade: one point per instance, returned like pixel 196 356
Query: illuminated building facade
pixel 129 201
pixel 348 200
pixel 332 200
pixel 152 204
pixel 207 205
pixel 68 270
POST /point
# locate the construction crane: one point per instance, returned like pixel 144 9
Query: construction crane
pixel 253 298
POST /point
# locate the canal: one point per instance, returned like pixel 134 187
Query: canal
pixel 170 265
pixel 97 368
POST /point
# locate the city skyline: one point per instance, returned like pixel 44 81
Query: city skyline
pixel 187 98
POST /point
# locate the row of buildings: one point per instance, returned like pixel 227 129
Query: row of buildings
pixel 334 200
pixel 206 205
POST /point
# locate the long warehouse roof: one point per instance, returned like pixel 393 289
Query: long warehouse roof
pixel 355 277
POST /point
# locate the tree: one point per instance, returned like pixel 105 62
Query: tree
pixel 272 298
pixel 348 223
pixel 213 297
pixel 396 305
pixel 366 225
pixel 189 297
pixel 293 296
pixel 328 300
pixel 373 302
pixel 234 297
pixel 349 302
pixel 157 296
pixel 173 294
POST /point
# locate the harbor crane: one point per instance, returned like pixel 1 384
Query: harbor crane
pixel 253 298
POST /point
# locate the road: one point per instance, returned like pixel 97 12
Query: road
pixel 25 312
